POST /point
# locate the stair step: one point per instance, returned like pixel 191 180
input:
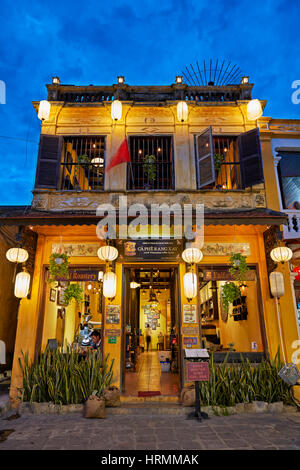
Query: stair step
pixel 152 409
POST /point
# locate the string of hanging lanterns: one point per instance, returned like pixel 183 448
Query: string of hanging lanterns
pixel 191 255
pixel 108 254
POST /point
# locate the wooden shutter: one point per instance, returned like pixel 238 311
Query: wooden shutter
pixel 49 159
pixel 250 158
pixel 205 158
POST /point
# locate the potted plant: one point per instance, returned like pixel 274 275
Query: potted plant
pixel 218 160
pixel 81 160
pixel 149 168
pixel 73 291
pixel 58 266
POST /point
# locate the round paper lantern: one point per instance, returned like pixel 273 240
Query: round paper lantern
pixel 190 285
pixel 107 253
pixel 192 255
pixel 182 111
pixel 22 283
pixel 109 285
pixel 97 161
pixel 297 270
pixel 281 254
pixel 44 110
pixel 17 255
pixel 116 110
pixel 254 110
pixel 277 284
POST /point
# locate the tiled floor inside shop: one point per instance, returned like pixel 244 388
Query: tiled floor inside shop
pixel 148 377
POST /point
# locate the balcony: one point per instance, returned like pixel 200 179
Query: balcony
pixel 82 164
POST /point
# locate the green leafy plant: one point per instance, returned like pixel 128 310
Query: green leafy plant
pixel 239 268
pixel 150 167
pixel 65 378
pixel 218 160
pixel 231 384
pixel 73 291
pixel 230 293
pixel 58 266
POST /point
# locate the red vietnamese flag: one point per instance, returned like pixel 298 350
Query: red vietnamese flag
pixel 121 156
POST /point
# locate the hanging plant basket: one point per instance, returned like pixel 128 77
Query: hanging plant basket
pixel 230 293
pixel 239 268
pixel 73 291
pixel 58 266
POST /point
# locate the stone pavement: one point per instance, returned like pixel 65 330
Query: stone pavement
pixel 157 432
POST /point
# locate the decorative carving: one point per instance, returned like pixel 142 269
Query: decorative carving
pixel 70 201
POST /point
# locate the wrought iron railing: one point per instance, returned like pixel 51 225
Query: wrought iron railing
pixel 82 163
pixel 151 166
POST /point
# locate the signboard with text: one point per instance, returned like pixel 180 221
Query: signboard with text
pixel 150 250
pixel 197 371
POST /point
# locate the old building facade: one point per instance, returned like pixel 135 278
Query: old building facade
pixel 209 153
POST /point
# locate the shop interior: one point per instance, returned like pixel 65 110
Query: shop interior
pixel 239 329
pixel 72 325
pixel 151 309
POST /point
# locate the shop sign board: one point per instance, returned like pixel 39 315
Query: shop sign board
pixel 189 340
pixel 80 276
pixel 112 340
pixel 113 332
pixel 224 275
pixel 226 249
pixel 150 250
pixel 189 313
pixel 190 330
pixel 197 371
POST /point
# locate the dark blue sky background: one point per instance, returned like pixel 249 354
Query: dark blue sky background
pixel 148 41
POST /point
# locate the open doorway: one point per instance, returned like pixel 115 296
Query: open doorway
pixel 151 349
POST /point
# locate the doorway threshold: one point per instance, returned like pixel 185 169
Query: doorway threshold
pixel 150 399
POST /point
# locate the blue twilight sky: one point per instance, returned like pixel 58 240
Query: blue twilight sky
pixel 148 41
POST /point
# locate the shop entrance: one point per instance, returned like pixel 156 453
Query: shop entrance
pixel 151 349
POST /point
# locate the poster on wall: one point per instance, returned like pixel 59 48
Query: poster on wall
pixel 189 313
pixel 113 314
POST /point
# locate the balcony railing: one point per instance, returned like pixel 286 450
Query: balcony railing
pixel 82 163
pixel 141 173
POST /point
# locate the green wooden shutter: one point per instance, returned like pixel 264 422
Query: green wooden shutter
pixel 250 158
pixel 49 158
pixel 205 158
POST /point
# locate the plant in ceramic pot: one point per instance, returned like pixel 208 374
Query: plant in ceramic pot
pixel 73 291
pixel 149 167
pixel 58 266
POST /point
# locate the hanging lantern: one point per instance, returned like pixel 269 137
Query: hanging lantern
pixel 276 284
pixel 44 110
pixel 97 161
pixel 17 255
pixel 100 276
pixel 134 285
pixel 182 111
pixel 254 110
pixel 192 255
pixel 109 285
pixel 22 284
pixel 107 253
pixel 190 285
pixel 297 270
pixel 116 110
pixel 281 254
